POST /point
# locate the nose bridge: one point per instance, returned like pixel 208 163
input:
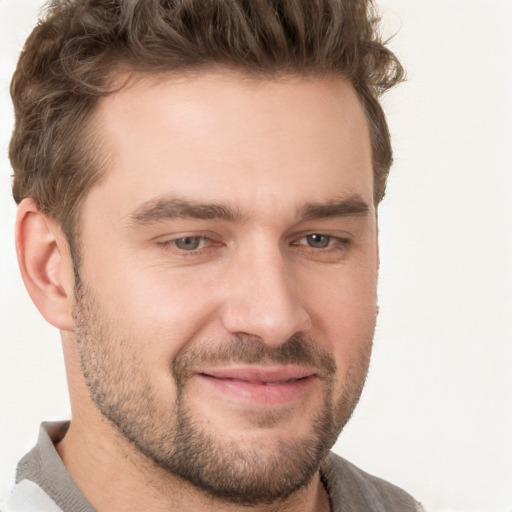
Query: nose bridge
pixel 262 300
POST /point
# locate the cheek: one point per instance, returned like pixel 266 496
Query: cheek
pixel 343 310
pixel 156 308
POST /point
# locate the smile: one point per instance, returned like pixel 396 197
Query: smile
pixel 259 386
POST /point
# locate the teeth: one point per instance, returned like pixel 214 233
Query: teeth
pixel 264 382
pixel 277 382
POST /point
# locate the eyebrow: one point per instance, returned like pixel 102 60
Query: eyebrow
pixel 165 208
pixel 353 206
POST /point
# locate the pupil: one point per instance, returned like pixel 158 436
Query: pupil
pixel 189 243
pixel 318 241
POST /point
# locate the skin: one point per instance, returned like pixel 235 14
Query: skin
pixel 269 152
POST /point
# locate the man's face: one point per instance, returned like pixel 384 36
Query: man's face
pixel 226 302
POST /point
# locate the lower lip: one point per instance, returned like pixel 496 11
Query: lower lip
pixel 261 393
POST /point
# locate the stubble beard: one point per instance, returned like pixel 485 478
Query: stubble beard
pixel 177 441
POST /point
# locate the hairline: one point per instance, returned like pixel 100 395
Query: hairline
pixel 126 76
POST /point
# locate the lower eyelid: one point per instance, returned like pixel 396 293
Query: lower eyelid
pixel 335 239
pixel 202 242
pixel 206 244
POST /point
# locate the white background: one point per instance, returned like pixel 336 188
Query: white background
pixel 436 416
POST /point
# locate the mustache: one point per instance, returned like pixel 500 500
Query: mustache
pixel 298 350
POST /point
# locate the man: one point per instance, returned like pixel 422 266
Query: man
pixel 198 184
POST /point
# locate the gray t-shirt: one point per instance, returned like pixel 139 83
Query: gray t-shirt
pixel 43 484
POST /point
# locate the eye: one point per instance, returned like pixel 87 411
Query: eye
pixel 190 243
pixel 318 241
pixel 323 244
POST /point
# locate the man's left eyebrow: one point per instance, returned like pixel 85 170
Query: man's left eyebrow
pixel 353 206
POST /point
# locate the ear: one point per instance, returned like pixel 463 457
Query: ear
pixel 45 263
pixel 377 235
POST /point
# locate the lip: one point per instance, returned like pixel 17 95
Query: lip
pixel 259 386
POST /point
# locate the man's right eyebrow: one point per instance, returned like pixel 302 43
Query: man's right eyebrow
pixel 165 208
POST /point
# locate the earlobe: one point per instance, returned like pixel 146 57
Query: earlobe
pixel 45 264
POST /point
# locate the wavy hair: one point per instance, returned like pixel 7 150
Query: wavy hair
pixel 79 47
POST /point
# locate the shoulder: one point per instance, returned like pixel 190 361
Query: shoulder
pixel 27 496
pixel 352 490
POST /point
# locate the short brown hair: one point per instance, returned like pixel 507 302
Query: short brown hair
pixel 72 57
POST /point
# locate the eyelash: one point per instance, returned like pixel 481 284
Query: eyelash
pixel 169 245
pixel 336 243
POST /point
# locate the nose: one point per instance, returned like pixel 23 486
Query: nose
pixel 262 299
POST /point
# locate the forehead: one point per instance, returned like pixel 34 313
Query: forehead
pixel 230 138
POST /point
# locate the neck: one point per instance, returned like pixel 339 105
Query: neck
pixel 114 476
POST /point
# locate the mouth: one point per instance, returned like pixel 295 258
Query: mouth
pixel 266 386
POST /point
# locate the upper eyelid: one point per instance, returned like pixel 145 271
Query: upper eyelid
pixel 167 241
pixel 169 245
pixel 338 235
pixel 337 241
pixel 170 237
pixel 330 235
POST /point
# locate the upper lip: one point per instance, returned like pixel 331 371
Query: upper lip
pixel 260 374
